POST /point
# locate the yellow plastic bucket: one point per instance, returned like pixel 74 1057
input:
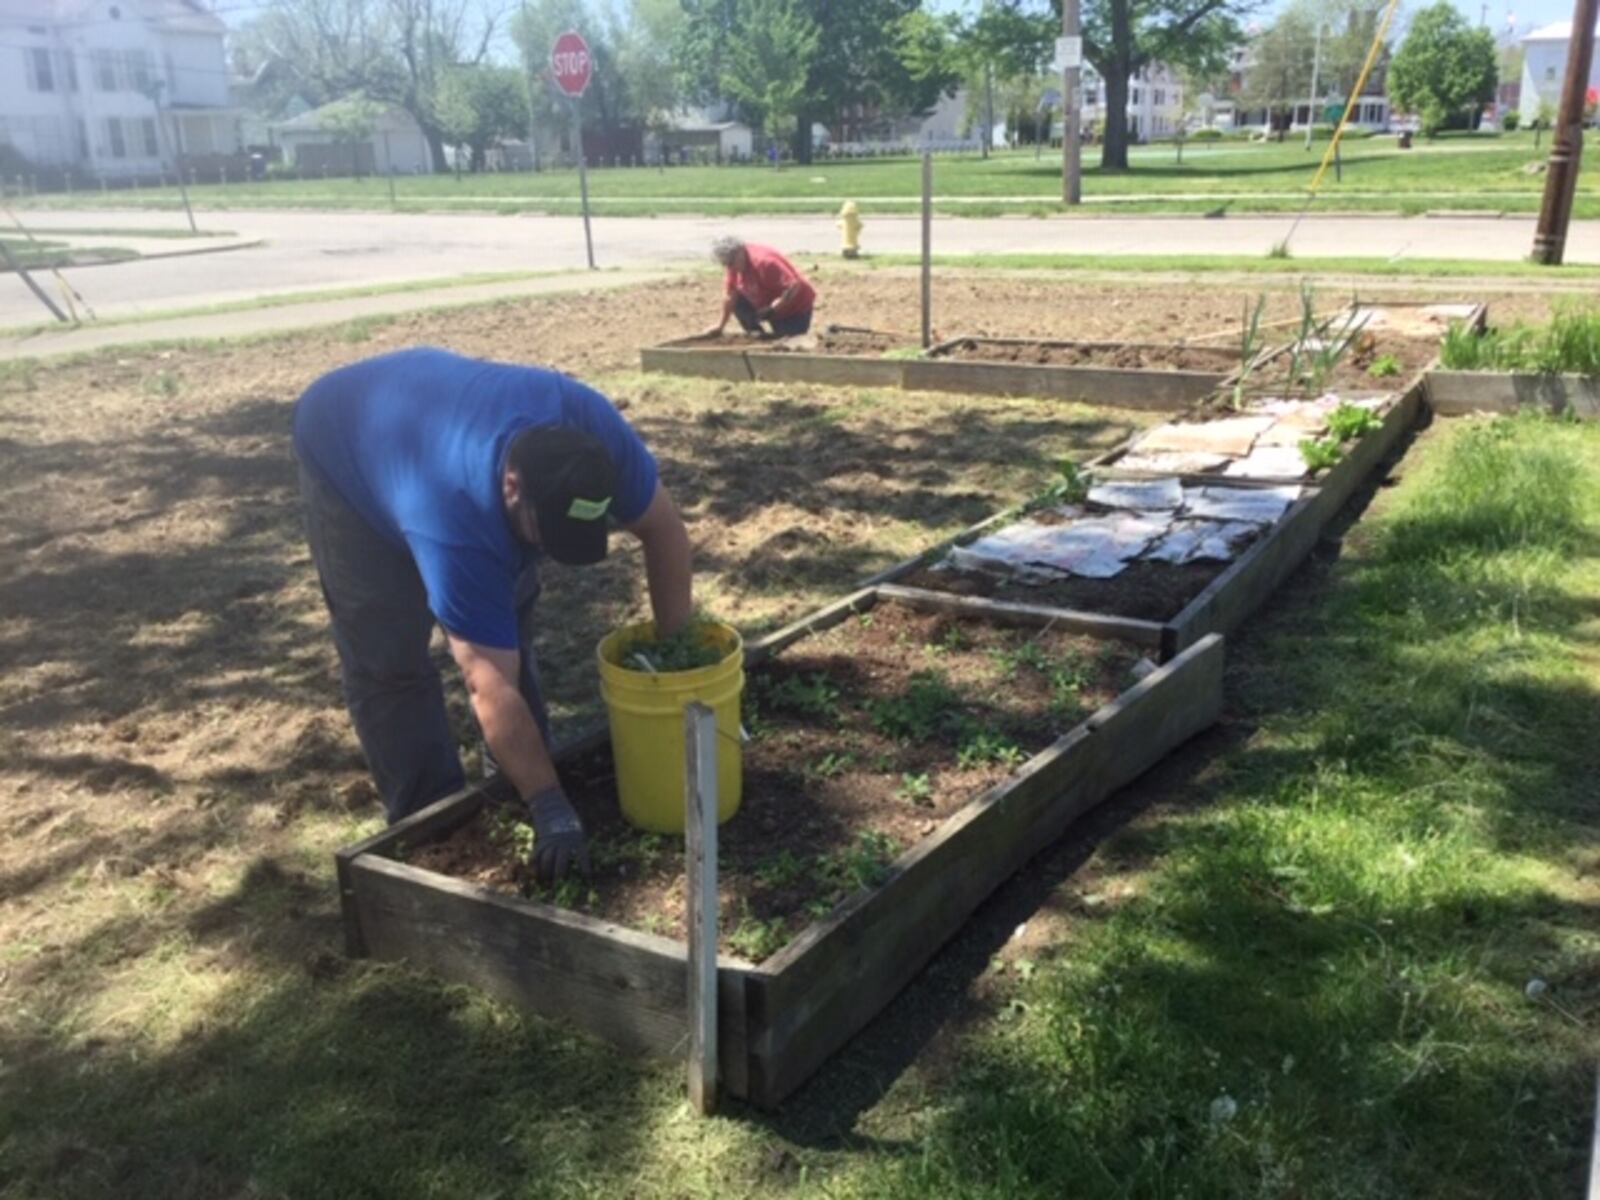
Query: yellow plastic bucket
pixel 646 713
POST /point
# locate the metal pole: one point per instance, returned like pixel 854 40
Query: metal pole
pixel 177 140
pixel 44 298
pixel 1071 117
pixel 388 166
pixel 1566 147
pixel 1316 70
pixel 927 249
pixel 583 182
pixel 700 835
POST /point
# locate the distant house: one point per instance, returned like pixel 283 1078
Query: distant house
pixel 694 134
pixel 319 141
pixel 78 77
pixel 1544 68
pixel 262 98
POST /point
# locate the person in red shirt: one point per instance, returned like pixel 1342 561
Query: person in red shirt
pixel 763 289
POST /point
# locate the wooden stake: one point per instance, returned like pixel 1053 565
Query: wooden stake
pixel 39 292
pixel 1566 149
pixel 927 249
pixel 700 757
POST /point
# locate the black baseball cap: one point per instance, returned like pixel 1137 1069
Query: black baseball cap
pixel 569 480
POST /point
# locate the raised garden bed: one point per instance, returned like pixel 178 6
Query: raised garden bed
pixel 868 361
pixel 781 1017
pixel 1164 378
pixel 1457 393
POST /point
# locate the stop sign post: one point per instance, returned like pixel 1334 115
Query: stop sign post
pixel 571 67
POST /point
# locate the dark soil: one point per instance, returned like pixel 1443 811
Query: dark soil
pixel 1146 591
pixel 1354 372
pixel 1126 357
pixel 863 738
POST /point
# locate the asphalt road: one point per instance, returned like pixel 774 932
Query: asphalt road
pixel 304 251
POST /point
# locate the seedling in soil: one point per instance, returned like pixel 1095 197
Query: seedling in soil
pixel 915 788
pixel 1072 486
pixel 653 923
pixel 784 870
pixel 984 746
pixel 1320 453
pixel 1385 366
pixel 1067 681
pixel 919 712
pixel 1351 421
pixel 690 648
pixel 864 864
pixel 512 835
pixel 756 939
pixel 832 765
pixel 809 696
pixel 1029 654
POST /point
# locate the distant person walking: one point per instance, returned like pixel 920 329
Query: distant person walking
pixel 763 289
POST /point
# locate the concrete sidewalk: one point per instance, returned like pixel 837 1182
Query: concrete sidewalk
pixel 312 314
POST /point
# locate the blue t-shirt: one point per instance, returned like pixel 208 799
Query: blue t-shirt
pixel 416 442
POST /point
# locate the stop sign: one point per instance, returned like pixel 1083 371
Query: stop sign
pixel 570 63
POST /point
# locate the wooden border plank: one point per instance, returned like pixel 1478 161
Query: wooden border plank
pixel 700 862
pixel 830 370
pixel 834 978
pixel 730 365
pixel 1458 393
pixel 1005 612
pixel 761 649
pixel 628 987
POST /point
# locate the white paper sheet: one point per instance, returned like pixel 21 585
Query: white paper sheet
pixel 1261 506
pixel 1148 495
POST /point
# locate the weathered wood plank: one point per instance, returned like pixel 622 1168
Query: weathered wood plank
pixel 831 370
pixel 627 987
pixel 1161 391
pixel 1005 612
pixel 832 980
pixel 700 859
pixel 730 365
pixel 764 648
pixel 1457 393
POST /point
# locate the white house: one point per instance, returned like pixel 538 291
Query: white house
pixel 1544 68
pixel 316 140
pixel 697 133
pixel 78 79
pixel 1155 102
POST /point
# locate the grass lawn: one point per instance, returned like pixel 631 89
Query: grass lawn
pixel 1470 173
pixel 39 255
pixel 1290 963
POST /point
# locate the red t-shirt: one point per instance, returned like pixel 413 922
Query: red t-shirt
pixel 768 276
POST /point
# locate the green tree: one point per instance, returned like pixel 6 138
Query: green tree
pixel 478 106
pixel 1280 71
pixel 765 69
pixel 1445 68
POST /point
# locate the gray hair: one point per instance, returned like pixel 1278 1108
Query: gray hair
pixel 725 249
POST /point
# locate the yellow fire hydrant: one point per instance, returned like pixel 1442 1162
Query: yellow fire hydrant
pixel 850 229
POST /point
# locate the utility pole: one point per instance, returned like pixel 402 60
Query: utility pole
pixel 153 92
pixel 1316 71
pixel 1070 52
pixel 527 63
pixel 1566 148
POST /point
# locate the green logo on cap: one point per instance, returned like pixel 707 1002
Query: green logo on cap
pixel 589 510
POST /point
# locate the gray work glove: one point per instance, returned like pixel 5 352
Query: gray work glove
pixel 558 841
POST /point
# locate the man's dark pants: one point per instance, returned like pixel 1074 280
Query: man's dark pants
pixel 382 626
pixel 790 326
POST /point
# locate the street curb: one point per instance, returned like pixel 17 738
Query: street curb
pixel 160 254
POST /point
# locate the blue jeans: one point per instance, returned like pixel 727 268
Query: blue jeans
pixel 790 326
pixel 382 626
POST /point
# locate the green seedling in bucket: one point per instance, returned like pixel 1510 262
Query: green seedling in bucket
pixel 687 650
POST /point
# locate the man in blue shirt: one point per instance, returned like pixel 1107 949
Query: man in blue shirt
pixel 433 484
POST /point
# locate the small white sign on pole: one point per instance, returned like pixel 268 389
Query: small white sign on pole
pixel 1069 53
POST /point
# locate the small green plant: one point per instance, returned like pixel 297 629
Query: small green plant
pixel 1349 421
pixel 1320 453
pixel 918 713
pixel 756 939
pixel 692 647
pixel 782 870
pixel 1067 681
pixel 511 835
pixel 983 746
pixel 864 863
pixel 915 788
pixel 653 923
pixel 1385 366
pixel 1280 250
pixel 807 695
pixel 1029 654
pixel 162 383
pixel 1071 486
pixel 903 352
pixel 1569 344
pixel 1250 331
pixel 830 766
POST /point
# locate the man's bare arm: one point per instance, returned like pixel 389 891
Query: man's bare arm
pixel 668 565
pixel 504 716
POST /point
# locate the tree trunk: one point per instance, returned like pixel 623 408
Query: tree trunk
pixel 1114 72
pixel 802 137
pixel 1114 143
pixel 436 149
